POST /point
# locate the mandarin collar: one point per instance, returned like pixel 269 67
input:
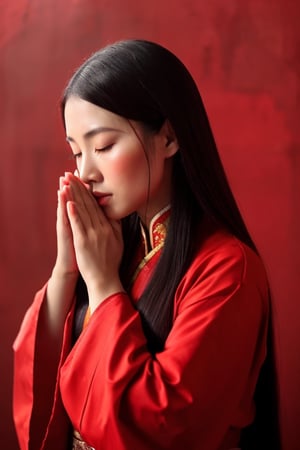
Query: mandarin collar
pixel 157 229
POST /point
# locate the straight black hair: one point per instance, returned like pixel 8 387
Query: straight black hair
pixel 143 81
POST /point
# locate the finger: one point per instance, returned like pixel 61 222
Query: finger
pixel 81 197
pixel 95 213
pixel 64 187
pixel 66 193
pixel 77 176
pixel 88 203
pixel 76 223
pixel 61 210
pixel 74 179
pixel 61 182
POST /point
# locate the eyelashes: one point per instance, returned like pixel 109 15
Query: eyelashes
pixel 76 155
pixel 97 150
pixel 104 149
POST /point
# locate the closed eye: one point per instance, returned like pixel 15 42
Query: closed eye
pixel 103 149
pixel 97 150
pixel 76 155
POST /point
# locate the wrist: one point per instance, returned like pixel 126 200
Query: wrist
pixel 98 293
pixel 61 273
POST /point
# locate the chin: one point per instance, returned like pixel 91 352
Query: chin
pixel 120 213
pixel 115 215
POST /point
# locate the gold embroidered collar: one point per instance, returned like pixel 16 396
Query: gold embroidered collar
pixel 157 230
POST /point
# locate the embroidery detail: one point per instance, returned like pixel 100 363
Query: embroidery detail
pixel 158 232
pixel 158 227
pixel 79 444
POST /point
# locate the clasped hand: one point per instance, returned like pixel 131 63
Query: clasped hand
pixel 88 242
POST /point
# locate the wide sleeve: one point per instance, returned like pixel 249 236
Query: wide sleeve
pixel 37 407
pixel 198 392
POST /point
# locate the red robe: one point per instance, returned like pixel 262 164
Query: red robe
pixel 196 394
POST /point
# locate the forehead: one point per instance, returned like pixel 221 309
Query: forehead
pixel 82 116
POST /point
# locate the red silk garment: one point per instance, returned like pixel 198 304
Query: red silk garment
pixel 196 394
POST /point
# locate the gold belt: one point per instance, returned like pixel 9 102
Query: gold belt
pixel 79 444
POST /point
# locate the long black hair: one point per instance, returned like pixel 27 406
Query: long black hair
pixel 143 81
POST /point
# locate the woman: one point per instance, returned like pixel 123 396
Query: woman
pixel 152 330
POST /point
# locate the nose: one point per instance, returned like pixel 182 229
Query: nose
pixel 89 171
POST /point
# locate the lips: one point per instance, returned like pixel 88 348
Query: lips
pixel 102 198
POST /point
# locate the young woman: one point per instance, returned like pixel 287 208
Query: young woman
pixel 152 330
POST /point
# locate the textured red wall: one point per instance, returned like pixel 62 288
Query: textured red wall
pixel 245 59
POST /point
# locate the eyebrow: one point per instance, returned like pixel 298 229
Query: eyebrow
pixel 89 134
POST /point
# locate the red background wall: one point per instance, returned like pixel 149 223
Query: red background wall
pixel 244 57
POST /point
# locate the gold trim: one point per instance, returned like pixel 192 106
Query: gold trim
pixel 145 260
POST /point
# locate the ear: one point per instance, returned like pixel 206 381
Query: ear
pixel 169 139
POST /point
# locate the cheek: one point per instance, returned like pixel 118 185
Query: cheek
pixel 130 166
